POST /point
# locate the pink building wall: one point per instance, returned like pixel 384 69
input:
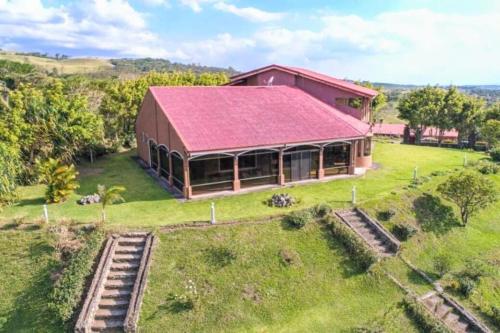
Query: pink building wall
pixel 153 124
pixel 326 93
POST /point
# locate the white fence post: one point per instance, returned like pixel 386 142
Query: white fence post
pixel 46 214
pixel 212 213
pixel 353 195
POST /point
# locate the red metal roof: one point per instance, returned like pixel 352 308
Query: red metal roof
pixel 342 84
pixel 240 117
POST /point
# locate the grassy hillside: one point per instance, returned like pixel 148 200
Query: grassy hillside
pixel 63 66
pixel 148 205
pixel 257 291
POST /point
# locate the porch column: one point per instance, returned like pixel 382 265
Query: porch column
pixel 281 175
pixel 321 170
pixel 187 184
pixel 354 156
pixel 236 176
pixel 170 173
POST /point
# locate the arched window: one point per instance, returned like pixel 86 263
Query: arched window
pixel 214 172
pixel 164 167
pixel 258 167
pixel 177 170
pixel 336 158
pixel 153 155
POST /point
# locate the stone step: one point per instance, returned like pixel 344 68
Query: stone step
pixel 129 249
pixel 106 303
pixel 126 241
pixel 443 310
pixel 116 293
pixel 117 284
pixel 113 313
pixel 126 257
pixel 124 266
pixel 461 326
pixel 451 318
pixel 117 275
pixel 105 324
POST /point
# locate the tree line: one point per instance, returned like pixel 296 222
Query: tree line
pixel 447 109
pixel 68 118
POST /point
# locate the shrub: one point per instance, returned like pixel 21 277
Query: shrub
pixel 426 321
pixel 466 285
pixel 404 231
pixel 495 314
pixel 442 264
pixel 487 168
pixel 281 200
pixel 9 171
pixel 495 154
pixel 298 219
pixel 386 215
pixel 60 180
pixel 356 247
pixel 322 210
pixel 68 289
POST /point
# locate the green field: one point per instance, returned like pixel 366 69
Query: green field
pixel 147 205
pixel 65 66
pixel 322 291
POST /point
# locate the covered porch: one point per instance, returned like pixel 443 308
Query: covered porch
pixel 205 174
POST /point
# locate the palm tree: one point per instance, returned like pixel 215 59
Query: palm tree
pixel 109 196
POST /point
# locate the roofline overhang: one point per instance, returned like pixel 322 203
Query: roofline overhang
pixel 191 154
pixel 239 77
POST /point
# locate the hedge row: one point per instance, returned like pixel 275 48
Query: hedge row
pixel 355 246
pixel 426 321
pixel 68 289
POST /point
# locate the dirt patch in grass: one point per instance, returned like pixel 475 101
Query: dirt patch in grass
pixel 85 172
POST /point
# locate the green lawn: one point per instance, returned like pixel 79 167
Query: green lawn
pixel 257 292
pixel 26 262
pixel 147 205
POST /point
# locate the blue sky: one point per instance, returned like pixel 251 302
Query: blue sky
pixel 400 41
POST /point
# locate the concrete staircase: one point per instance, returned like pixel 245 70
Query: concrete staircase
pixel 113 300
pixel 374 234
pixel 451 313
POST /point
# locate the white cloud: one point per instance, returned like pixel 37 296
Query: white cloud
pixel 418 46
pixel 165 3
pixel 196 5
pixel 249 13
pixel 109 25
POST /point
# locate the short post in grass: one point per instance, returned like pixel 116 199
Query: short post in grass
pixel 46 214
pixel 353 195
pixel 415 173
pixel 212 213
pixel 465 160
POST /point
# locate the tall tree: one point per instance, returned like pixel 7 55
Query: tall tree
pixel 470 191
pixel 420 108
pixel 468 119
pixel 452 104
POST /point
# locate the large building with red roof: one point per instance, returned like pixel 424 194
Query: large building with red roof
pixel 268 127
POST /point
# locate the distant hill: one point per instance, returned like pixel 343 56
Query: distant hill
pixel 64 65
pixel 60 66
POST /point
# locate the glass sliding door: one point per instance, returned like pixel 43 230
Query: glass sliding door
pixel 300 163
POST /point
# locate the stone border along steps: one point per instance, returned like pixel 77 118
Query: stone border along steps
pixel 371 231
pixel 450 313
pixel 114 298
